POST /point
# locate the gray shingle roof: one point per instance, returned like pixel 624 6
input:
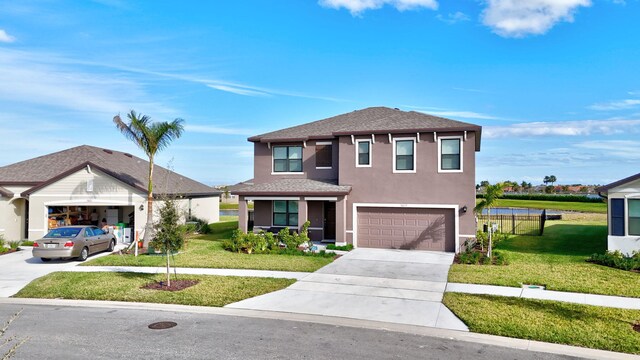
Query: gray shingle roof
pixel 605 189
pixel 125 167
pixel 294 187
pixel 367 121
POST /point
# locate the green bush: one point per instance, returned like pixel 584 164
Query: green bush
pixel 266 242
pixel 474 257
pixel 548 197
pixel 14 245
pixel 618 260
pixel 496 238
pixel 347 247
pixel 196 225
pixel 26 243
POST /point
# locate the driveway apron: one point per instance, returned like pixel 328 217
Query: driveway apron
pixel 396 286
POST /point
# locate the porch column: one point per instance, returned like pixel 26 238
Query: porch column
pixel 243 215
pixel 303 213
pixel 341 220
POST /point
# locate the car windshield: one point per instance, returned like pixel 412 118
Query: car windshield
pixel 63 233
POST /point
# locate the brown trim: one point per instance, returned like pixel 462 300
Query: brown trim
pixel 292 193
pixel 6 193
pixel 606 188
pixel 19 183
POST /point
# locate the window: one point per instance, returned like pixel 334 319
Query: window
pixel 324 155
pixel 404 159
pixel 617 217
pixel 285 213
pixel 450 154
pixel 363 153
pixel 287 159
pixel 634 216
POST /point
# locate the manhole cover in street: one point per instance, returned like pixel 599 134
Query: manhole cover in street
pixel 162 325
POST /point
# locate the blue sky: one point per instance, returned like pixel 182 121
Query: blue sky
pixel 554 83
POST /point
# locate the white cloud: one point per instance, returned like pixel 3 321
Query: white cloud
pixel 213 129
pixel 453 18
pixel 238 90
pixel 617 104
pixel 452 113
pixel 563 128
pixel 518 18
pixel 358 6
pixel 625 149
pixel 6 38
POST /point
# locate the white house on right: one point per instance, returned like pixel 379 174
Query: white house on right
pixel 623 214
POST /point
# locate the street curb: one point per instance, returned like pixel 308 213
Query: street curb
pixel 513 343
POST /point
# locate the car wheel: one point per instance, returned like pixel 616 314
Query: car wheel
pixel 45 259
pixel 84 254
pixel 112 245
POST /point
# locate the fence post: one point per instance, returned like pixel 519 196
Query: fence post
pixel 513 224
pixel 543 218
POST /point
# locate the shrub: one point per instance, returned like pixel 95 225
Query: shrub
pixel 26 243
pixel 266 242
pixel 196 225
pixel 618 260
pixel 474 257
pixel 496 238
pixel 347 247
pixel 14 245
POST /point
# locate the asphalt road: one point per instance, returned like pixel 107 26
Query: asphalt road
pixel 91 333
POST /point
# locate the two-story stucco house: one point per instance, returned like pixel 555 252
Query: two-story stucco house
pixel 377 177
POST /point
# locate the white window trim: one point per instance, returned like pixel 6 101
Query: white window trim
pixel 455 208
pixel 415 152
pixel 626 213
pixel 440 138
pixel 292 227
pixel 273 172
pixel 358 155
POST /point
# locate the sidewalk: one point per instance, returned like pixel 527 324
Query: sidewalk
pixel 540 294
pixel 527 293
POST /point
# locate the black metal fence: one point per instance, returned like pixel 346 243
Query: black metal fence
pixel 517 224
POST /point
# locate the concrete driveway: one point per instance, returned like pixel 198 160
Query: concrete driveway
pixel 397 286
pixel 20 268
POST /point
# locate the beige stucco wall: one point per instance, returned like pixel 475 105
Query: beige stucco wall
pixel 12 214
pixel 72 190
pixel 206 208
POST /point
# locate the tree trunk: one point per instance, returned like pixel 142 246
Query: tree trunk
pixel 168 270
pixel 490 228
pixel 148 229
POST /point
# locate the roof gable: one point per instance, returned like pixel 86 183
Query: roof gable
pixel 632 181
pixel 125 167
pixel 373 120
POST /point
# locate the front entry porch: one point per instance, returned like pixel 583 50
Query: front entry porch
pixel 326 215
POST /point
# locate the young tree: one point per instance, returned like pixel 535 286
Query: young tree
pixel 492 193
pixel 169 237
pixel 150 138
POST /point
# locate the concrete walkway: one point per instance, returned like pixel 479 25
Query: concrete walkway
pixel 394 286
pixel 540 294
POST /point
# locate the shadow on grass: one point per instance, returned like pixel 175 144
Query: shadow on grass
pixel 561 239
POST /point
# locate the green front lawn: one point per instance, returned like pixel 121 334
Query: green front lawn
pixel 555 260
pixel 549 321
pixel 211 291
pixel 205 251
pixel 600 208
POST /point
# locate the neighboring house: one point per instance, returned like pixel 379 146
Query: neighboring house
pixel 227 196
pixel 78 185
pixel 376 177
pixel 623 214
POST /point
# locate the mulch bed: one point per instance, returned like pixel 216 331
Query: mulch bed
pixel 176 285
pixel 8 252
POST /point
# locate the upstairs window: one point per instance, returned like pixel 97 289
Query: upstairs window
pixel 285 213
pixel 634 216
pixel 404 157
pixel 450 154
pixel 363 153
pixel 617 217
pixel 287 159
pixel 324 155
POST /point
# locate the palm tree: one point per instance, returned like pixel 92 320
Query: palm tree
pixel 150 137
pixel 491 195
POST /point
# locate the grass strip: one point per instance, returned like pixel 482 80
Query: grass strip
pixel 210 291
pixel 548 321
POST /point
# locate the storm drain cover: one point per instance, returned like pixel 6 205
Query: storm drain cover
pixel 162 325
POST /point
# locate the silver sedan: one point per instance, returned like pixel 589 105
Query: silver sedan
pixel 73 242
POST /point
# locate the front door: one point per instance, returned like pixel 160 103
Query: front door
pixel 329 220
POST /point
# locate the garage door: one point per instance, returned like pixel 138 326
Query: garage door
pixel 404 228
